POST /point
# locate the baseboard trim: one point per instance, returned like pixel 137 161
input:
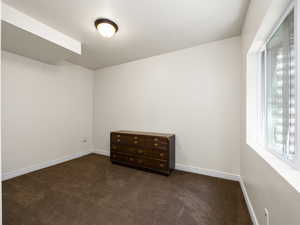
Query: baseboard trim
pixel 181 167
pixel 16 173
pixel 207 172
pixel 248 202
pixel 101 152
pixel 191 169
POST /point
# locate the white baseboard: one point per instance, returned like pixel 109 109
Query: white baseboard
pixel 16 173
pixel 227 176
pixel 191 169
pixel 207 172
pixel 101 152
pixel 248 202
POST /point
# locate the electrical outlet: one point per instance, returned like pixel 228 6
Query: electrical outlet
pixel 267 215
pixel 84 140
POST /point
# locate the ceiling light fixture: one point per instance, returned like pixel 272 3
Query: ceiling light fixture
pixel 106 27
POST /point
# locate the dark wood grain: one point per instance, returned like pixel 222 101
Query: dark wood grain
pixel 151 151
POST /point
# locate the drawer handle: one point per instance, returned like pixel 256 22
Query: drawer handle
pixel 161 165
pixel 118 136
pixel 161 154
pixel 155 144
pixel 135 142
pixel 140 151
pixel 135 138
pixel 131 159
pixel 118 140
pixel 155 139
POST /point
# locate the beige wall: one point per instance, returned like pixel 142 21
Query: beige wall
pixel 265 187
pixel 194 93
pixel 47 111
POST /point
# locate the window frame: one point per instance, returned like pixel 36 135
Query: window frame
pixel 262 107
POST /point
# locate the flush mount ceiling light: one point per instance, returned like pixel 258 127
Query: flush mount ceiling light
pixel 106 27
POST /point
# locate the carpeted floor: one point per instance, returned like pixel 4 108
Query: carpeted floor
pixel 92 191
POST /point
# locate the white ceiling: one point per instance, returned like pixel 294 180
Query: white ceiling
pixel 146 27
pixel 21 42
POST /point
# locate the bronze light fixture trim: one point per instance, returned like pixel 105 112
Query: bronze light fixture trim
pixel 106 27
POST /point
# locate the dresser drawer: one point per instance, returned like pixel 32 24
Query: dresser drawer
pixel 124 149
pixel 157 143
pixel 123 158
pixel 153 153
pixel 119 157
pixel 156 164
pixel 132 140
pixel 150 153
pixel 140 162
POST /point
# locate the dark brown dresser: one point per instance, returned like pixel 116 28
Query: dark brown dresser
pixel 151 151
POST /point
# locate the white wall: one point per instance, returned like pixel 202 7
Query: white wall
pixel 265 187
pixel 47 111
pixel 194 93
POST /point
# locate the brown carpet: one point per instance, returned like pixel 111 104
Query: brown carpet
pixel 92 191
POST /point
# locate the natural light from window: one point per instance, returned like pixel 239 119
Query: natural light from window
pixel 273 111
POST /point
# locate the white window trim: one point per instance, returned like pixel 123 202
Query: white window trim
pixel 297 47
pixel 292 5
pixel 254 143
pixel 295 163
pixel 291 175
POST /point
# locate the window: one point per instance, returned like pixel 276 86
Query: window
pixel 279 96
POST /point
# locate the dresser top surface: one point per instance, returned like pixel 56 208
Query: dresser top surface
pixel 143 133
